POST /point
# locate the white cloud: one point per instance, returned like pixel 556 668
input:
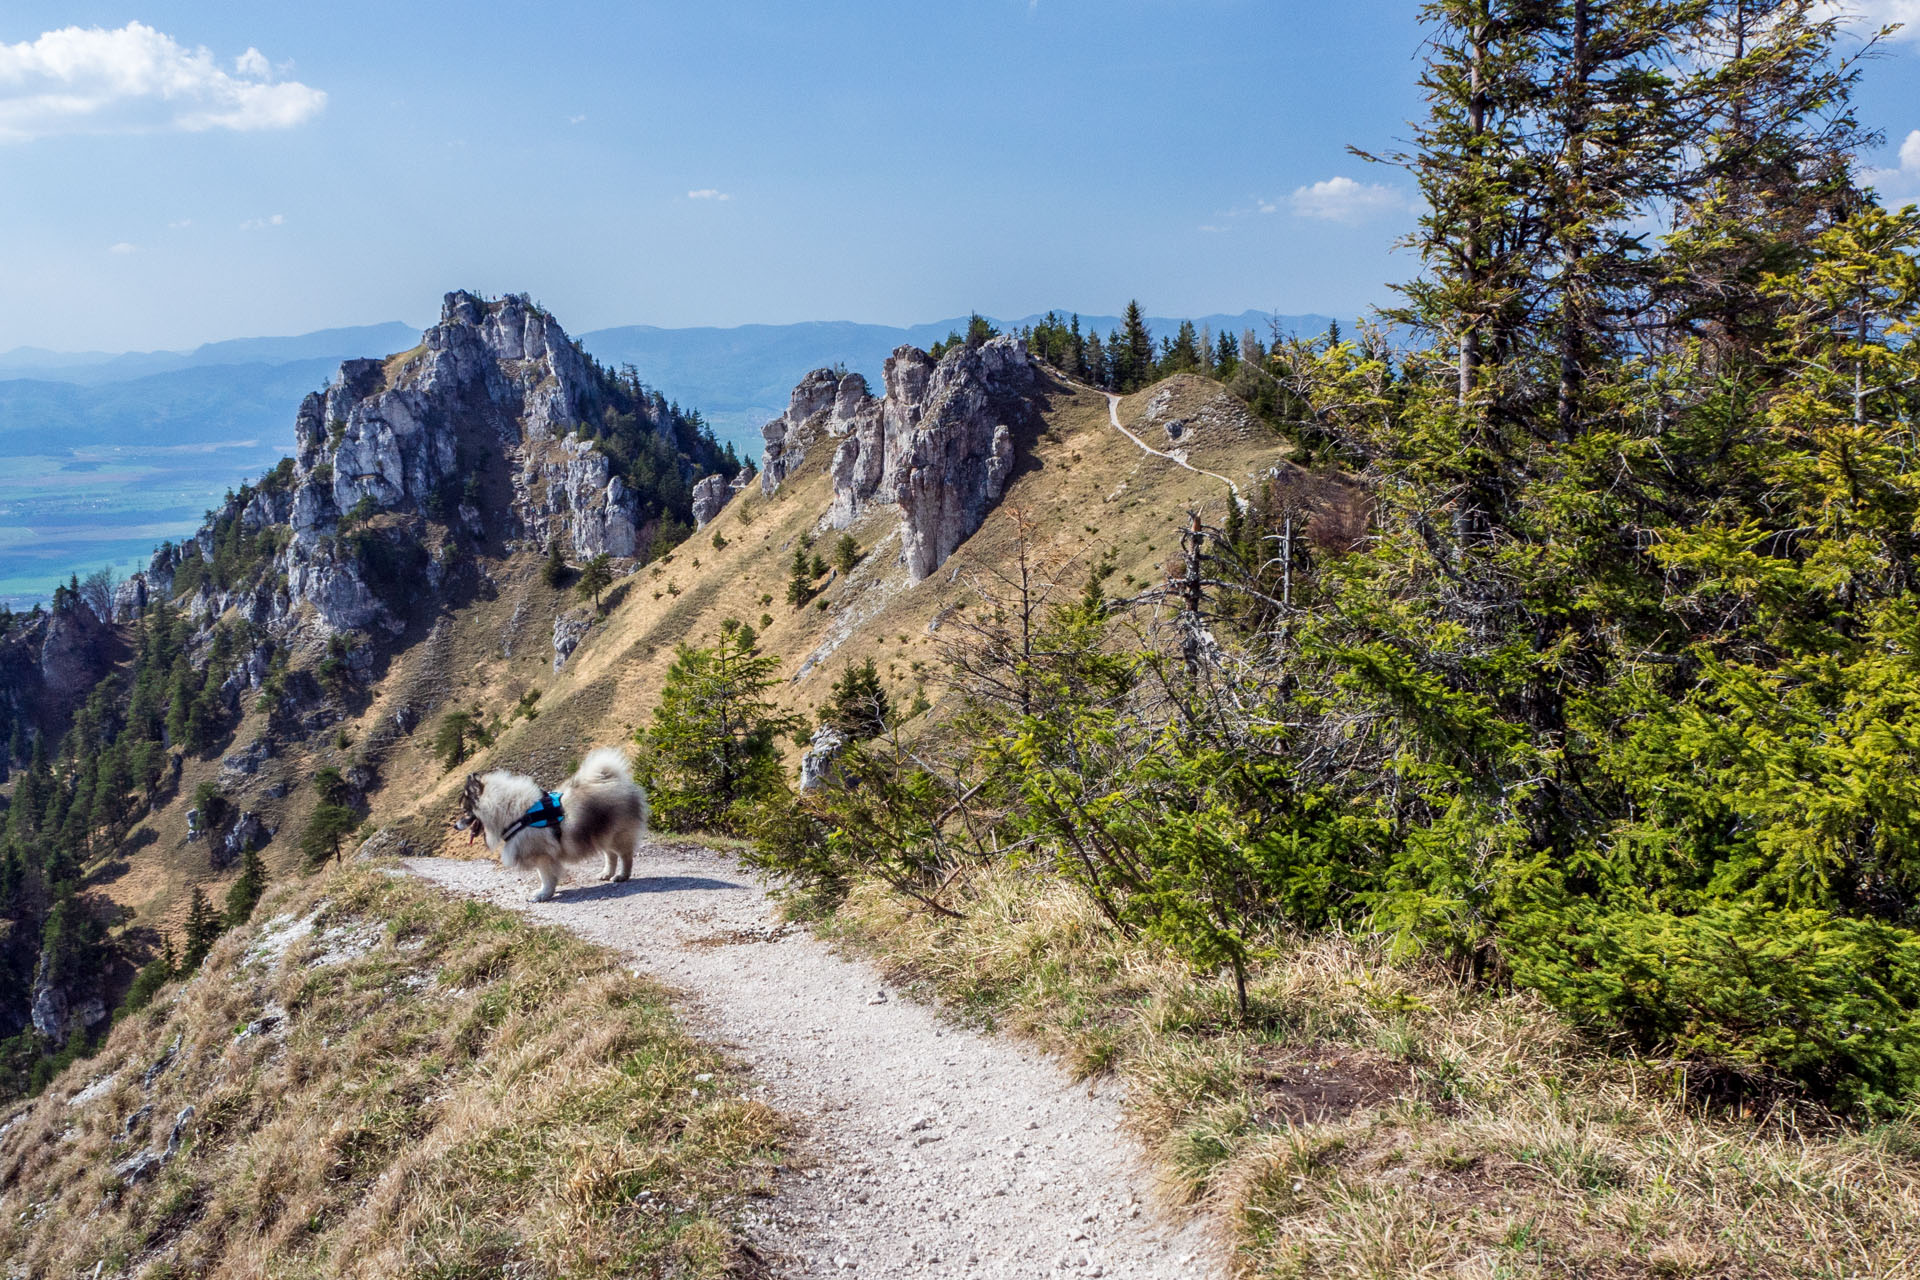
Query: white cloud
pixel 123 248
pixel 1870 15
pixel 1344 200
pixel 1901 183
pixel 138 80
pixel 180 224
pixel 708 193
pixel 576 119
pixel 255 224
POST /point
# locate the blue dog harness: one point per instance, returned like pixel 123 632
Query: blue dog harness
pixel 547 813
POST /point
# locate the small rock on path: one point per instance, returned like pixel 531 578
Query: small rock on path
pixel 930 1150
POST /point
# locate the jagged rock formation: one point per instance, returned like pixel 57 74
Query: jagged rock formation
pixel 59 1012
pixel 938 442
pixel 709 497
pixel 490 429
pixel 823 752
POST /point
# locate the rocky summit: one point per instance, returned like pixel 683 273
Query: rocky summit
pixel 938 443
pixel 495 432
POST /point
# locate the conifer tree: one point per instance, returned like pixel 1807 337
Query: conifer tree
pixel 595 578
pixel 203 930
pixel 246 891
pixel 858 705
pixel 1137 341
pixel 712 747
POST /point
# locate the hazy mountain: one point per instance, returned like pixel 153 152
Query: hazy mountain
pixel 93 367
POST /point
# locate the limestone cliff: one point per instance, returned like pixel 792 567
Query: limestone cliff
pixel 938 443
pixel 494 433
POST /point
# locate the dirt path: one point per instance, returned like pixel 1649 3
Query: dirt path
pixel 935 1151
pixel 1113 416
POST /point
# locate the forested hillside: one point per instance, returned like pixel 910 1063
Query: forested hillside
pixel 1609 690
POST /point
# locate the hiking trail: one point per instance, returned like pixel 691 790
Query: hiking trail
pixel 928 1149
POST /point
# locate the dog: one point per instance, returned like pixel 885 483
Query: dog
pixel 601 810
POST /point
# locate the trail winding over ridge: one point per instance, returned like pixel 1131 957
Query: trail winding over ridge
pixel 1113 416
pixel 934 1151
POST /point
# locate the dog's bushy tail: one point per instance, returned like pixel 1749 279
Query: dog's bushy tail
pixel 604 764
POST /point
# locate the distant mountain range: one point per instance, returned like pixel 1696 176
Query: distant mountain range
pixel 249 387
pixel 107 453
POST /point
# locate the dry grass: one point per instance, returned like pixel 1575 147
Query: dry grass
pixel 1377 1119
pixel 447 1092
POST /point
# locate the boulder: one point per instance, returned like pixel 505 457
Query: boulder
pixel 823 750
pixel 709 498
pixel 569 629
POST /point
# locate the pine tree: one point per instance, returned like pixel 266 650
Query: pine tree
pixel 712 749
pixel 327 829
pixel 595 578
pixel 203 930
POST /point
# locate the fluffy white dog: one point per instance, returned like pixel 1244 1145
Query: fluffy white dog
pixel 600 810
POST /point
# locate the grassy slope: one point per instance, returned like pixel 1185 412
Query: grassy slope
pixel 385 1081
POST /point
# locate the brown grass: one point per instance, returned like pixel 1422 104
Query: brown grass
pixel 448 1091
pixel 1381 1119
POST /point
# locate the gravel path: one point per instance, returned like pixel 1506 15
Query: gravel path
pixel 931 1150
pixel 1113 416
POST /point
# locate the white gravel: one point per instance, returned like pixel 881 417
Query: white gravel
pixel 930 1150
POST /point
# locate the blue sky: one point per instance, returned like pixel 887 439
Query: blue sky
pixel 712 163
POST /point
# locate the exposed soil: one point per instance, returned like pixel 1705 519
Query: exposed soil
pixel 932 1150
pixel 1316 1087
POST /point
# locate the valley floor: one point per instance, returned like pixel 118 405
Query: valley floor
pixel 934 1150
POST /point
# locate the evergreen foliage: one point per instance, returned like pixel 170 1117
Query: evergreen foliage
pixel 595 578
pixel 712 749
pixel 204 927
pixel 1594 666
pixel 857 705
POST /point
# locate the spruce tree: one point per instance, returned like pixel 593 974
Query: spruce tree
pixel 712 749
pixel 858 705
pixel 203 930
pixel 1137 341
pixel 245 892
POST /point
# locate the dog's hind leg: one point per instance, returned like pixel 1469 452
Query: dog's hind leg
pixel 626 865
pixel 613 866
pixel 549 881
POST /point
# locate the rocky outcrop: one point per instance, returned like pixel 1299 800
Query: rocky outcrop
pixel 58 1012
pixel 823 405
pixel 938 443
pixel 569 629
pixel 822 754
pixel 249 834
pixel 495 389
pixel 709 498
